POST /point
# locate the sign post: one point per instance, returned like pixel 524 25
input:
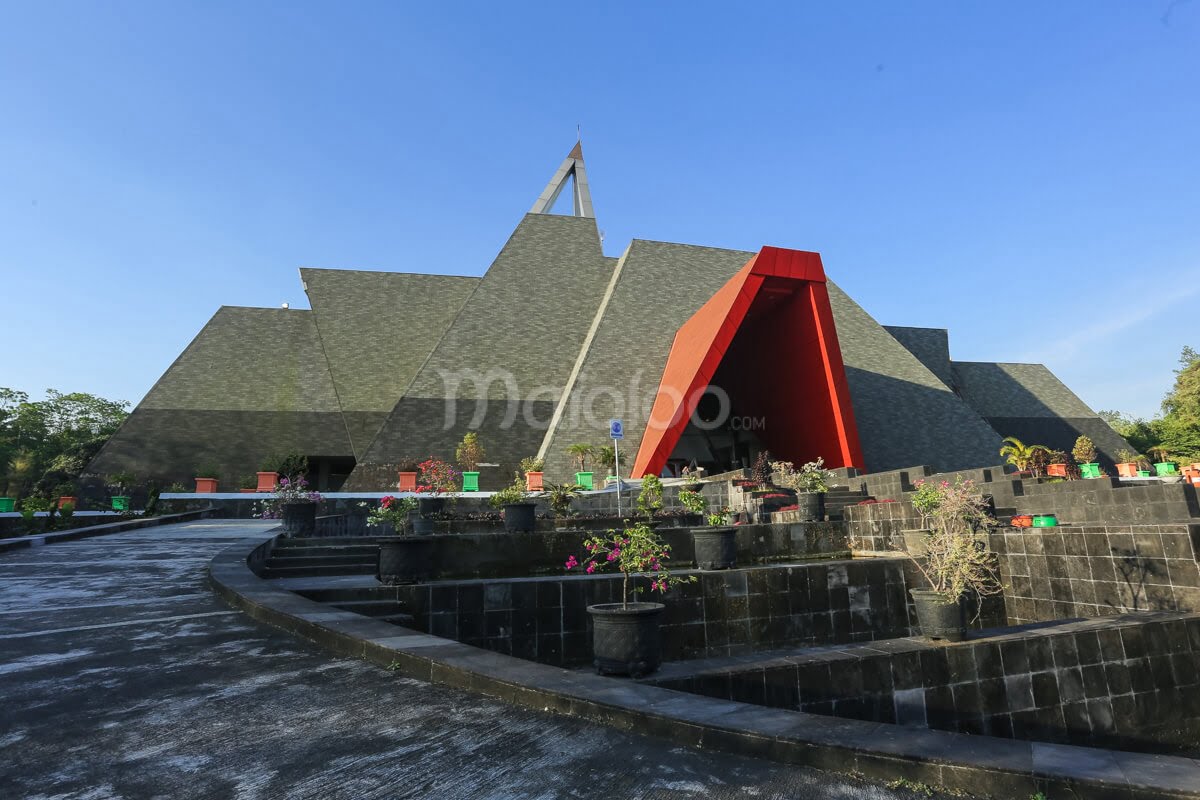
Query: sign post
pixel 616 429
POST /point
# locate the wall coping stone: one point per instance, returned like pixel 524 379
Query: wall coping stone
pixel 53 537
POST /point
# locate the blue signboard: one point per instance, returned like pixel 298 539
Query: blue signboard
pixel 616 429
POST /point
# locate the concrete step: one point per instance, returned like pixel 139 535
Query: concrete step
pixel 370 608
pixel 366 551
pixel 329 541
pixel 323 559
pixel 360 568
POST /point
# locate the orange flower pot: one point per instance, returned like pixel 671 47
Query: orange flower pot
pixel 62 501
pixel 407 482
pixel 1057 470
pixel 247 491
pixel 206 485
pixel 1127 470
pixel 267 481
pixel 533 482
pixel 1022 521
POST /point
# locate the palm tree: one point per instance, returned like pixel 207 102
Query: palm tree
pixel 1019 454
pixel 581 453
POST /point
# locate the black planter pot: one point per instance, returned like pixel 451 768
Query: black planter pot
pixel 519 517
pixel 405 559
pixel 299 519
pixel 716 548
pixel 810 506
pixel 939 618
pixel 625 640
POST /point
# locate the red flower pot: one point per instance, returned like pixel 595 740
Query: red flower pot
pixel 206 485
pixel 1057 470
pixel 1022 521
pixel 407 482
pixel 62 501
pixel 267 481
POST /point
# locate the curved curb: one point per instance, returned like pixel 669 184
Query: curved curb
pixel 981 765
pixel 104 529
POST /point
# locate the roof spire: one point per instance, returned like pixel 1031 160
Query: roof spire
pixel 571 167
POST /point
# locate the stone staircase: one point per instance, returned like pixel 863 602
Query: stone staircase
pixel 838 497
pixel 301 558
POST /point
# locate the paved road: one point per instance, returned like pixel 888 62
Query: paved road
pixel 122 676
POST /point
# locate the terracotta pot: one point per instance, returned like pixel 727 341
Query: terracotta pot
pixel 534 482
pixel 1057 471
pixel 407 483
pixel 267 481
pixel 64 500
pixel 206 485
pixel 1127 470
pixel 247 491
pixel 1022 521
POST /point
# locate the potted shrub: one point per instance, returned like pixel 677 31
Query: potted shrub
pixel 760 472
pixel 7 504
pixel 406 475
pixel 267 477
pixel 531 468
pixel 580 453
pixel 625 635
pixel 606 459
pixel 954 559
pixel 297 506
pixel 715 546
pixel 469 454
pixel 207 477
pixel 405 557
pixel 248 484
pixel 119 484
pixel 1163 466
pixel 650 498
pixel 520 514
pixel 925 501
pixel 437 479
pixel 1127 463
pixel 1084 452
pixel 810 483
pixel 560 496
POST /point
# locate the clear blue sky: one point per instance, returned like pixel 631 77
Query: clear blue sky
pixel 1024 174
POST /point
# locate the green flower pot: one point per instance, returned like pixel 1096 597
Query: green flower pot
pixel 1143 473
pixel 120 503
pixel 1045 521
pixel 1165 468
pixel 1089 470
pixel 470 481
pixel 584 479
pixel 7 504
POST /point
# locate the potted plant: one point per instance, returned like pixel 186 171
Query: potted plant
pixel 1023 456
pixel 1127 463
pixel 694 503
pixel 954 558
pixel 405 557
pixel 437 479
pixel 606 459
pixel 207 477
pixel 650 498
pixel 580 453
pixel 1084 452
pixel 532 469
pixel 625 635
pixel 520 514
pixel 119 484
pixel 297 506
pixel 469 454
pixel 7 504
pixel 715 546
pixel 267 476
pixel 1060 465
pixel 1163 466
pixel 810 483
pixel 760 472
pixel 560 496
pixel 248 484
pixel 406 475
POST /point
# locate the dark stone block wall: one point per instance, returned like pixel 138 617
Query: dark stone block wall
pixel 1108 501
pixel 724 613
pixel 1130 683
pixel 1090 571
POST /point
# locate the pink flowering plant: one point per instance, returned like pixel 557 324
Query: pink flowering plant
pixel 636 552
pixel 393 511
pixel 288 490
pixel 437 477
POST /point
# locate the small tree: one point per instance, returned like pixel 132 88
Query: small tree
pixel 532 464
pixel 636 551
pixel 606 458
pixel 760 473
pixel 693 501
pixel 956 560
pixel 650 499
pixel 580 453
pixel 1084 451
pixel 469 452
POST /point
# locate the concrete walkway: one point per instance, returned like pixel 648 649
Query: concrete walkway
pixel 122 676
